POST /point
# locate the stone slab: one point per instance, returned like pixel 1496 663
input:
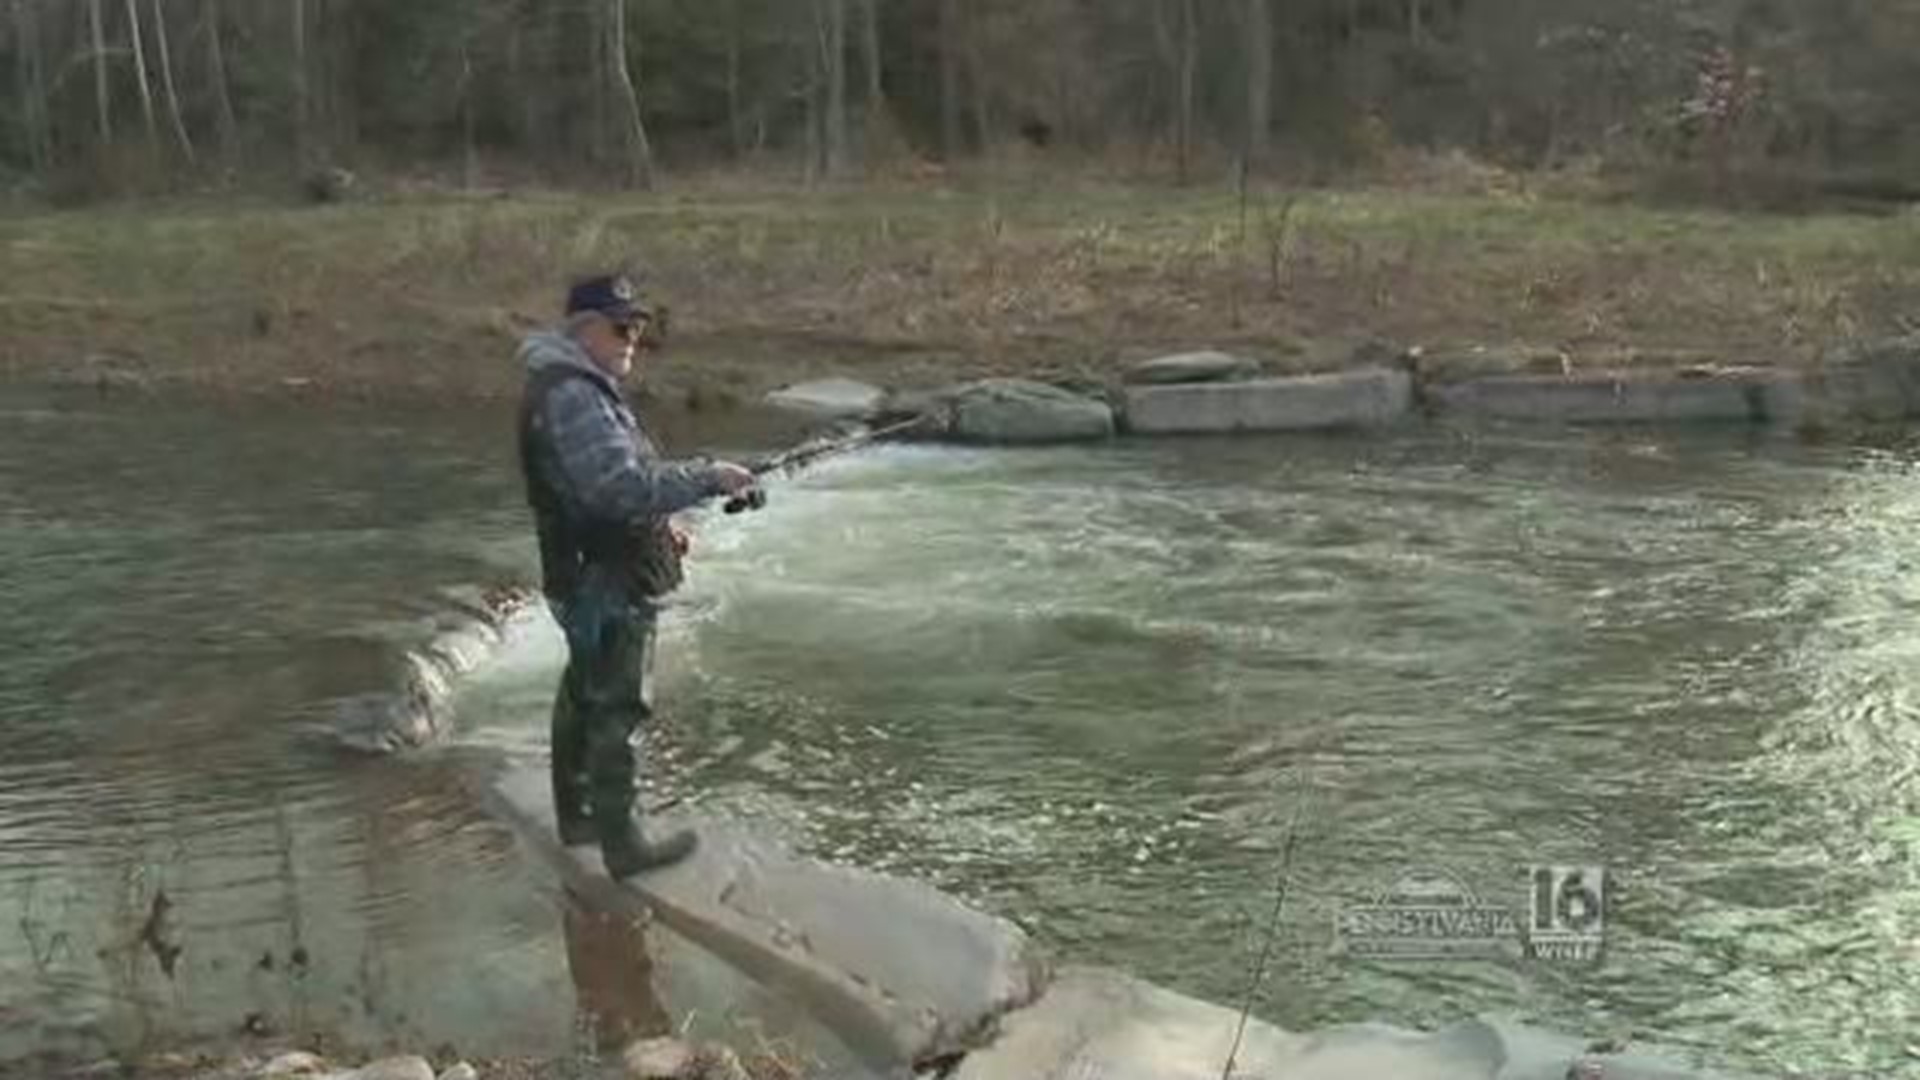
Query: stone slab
pixel 1742 398
pixel 899 971
pixel 1304 403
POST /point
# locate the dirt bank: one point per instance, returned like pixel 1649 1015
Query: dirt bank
pixel 424 297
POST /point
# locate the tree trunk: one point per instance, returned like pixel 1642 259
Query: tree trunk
pixel 977 83
pixel 950 79
pixel 736 134
pixel 836 71
pixel 1189 50
pixel 1416 26
pixel 302 144
pixel 103 100
pixel 32 84
pixel 217 76
pixel 876 96
pixel 1259 79
pixel 470 156
pixel 815 140
pixel 167 84
pixel 140 74
pixel 639 150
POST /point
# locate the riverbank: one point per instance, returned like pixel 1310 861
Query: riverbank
pixel 423 297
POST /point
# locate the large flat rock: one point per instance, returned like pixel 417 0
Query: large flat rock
pixel 1309 402
pixel 899 971
pixel 1094 1022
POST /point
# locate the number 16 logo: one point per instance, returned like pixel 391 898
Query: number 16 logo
pixel 1569 909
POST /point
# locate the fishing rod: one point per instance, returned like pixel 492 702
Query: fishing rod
pixel 756 497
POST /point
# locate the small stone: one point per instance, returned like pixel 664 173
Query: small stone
pixel 406 1067
pixel 460 1071
pixel 659 1059
pixel 293 1063
pixel 720 1063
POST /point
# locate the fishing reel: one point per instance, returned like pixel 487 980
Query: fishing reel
pixel 754 498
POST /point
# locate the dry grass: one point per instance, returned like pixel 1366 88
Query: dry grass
pixel 912 285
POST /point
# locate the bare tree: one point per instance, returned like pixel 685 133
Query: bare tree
pixel 167 85
pixel 1259 44
pixel 31 74
pixel 977 80
pixel 950 79
pixel 1189 59
pixel 639 150
pixel 834 49
pixel 736 135
pixel 876 97
pixel 103 100
pixel 140 74
pixel 302 134
pixel 217 78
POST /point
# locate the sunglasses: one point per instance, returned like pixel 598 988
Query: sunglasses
pixel 634 329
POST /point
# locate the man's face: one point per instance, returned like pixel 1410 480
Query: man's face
pixel 611 344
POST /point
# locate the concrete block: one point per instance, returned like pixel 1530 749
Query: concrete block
pixel 1346 399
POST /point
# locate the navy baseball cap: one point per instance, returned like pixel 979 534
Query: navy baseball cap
pixel 612 295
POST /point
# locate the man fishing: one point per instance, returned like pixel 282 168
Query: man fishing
pixel 602 499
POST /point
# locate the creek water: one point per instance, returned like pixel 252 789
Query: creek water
pixel 1097 690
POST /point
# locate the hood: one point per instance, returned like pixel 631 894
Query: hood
pixel 546 348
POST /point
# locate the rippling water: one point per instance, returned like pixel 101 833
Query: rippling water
pixel 1089 689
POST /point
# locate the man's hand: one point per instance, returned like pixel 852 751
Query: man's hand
pixel 733 479
pixel 682 543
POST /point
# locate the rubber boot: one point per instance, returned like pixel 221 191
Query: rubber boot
pixel 625 849
pixel 571 810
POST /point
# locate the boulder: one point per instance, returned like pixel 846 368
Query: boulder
pixel 1193 367
pixel 1347 399
pixel 460 1070
pixel 1023 411
pixel 829 399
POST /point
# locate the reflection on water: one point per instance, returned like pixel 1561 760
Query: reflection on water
pixel 1087 689
pixel 190 588
pixel 613 974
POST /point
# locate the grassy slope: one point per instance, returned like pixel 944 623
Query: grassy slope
pixel 915 286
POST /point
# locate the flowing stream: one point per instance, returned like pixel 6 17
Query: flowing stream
pixel 1091 689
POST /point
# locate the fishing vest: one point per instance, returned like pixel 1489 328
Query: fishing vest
pixel 640 556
